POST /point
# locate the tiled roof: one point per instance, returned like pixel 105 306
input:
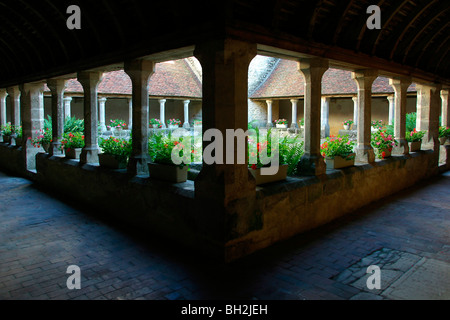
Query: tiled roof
pixel 171 79
pixel 287 81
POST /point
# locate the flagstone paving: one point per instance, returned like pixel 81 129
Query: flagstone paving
pixel 406 235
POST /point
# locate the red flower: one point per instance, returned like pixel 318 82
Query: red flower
pixel 254 167
pixel 383 154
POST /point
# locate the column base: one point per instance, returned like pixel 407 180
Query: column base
pixel 402 148
pixel 89 155
pixel 365 154
pixel 186 125
pixel 312 165
pixel 55 149
pixel 138 165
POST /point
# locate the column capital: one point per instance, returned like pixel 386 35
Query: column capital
pixel 294 101
pixel 67 99
pixel 57 85
pixel 3 93
pixel 269 101
pixel 139 67
pixel 13 91
pixel 162 100
pixel 187 101
pixel 308 63
pixel 355 99
pixel 444 93
pixel 86 78
pixel 32 87
pixel 102 99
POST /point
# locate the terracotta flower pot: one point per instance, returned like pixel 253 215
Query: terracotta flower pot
pixel 387 153
pixel 73 153
pixel 415 146
pixel 262 179
pixel 6 139
pixel 442 140
pixel 110 161
pixel 167 172
pixel 46 146
pixel 339 162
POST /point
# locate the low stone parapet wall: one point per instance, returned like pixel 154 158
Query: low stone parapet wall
pixel 171 211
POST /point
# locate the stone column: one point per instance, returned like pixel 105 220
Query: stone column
pixel 67 108
pixel 391 100
pixel 3 95
pixel 57 87
pixel 325 116
pixel 355 113
pixel 186 114
pixel 139 72
pixel 32 120
pixel 312 162
pixel 90 81
pixel 364 80
pixel 162 112
pixel 400 87
pixel 227 187
pixel 445 108
pixel 269 113
pixel 130 114
pixel 14 94
pixel 101 113
pixel 294 103
pixel 428 109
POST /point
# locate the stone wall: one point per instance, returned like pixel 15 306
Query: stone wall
pixel 281 209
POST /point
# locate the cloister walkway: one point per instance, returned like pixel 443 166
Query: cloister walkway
pixel 406 235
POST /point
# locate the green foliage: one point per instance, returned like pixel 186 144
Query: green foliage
pixel 161 146
pixel 444 132
pixel 117 123
pixel 18 131
pixel 291 151
pixel 337 146
pixel 6 129
pixel 118 147
pixel 71 124
pixel 414 136
pixel 381 142
pixel 72 140
pixel 411 121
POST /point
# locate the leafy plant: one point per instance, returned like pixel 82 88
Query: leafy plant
pixel 18 131
pixel 348 122
pixel 117 147
pixel 161 146
pixel 43 137
pixel 338 146
pixel 377 124
pixel 117 123
pixel 414 136
pixel 72 140
pixel 281 121
pixel 411 121
pixel 174 122
pixel 444 132
pixel 6 129
pixel 156 122
pixel 382 142
pixel 291 151
pixel 302 122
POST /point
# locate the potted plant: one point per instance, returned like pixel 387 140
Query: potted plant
pixel 72 144
pixel 18 135
pixel 116 152
pixel 414 139
pixel 347 124
pixel 302 123
pixel 377 125
pixel 161 166
pixel 281 123
pixel 383 143
pixel 444 133
pixel 338 152
pixel 6 131
pixel 117 124
pixel 155 123
pixel 174 123
pixel 43 139
pixel 264 146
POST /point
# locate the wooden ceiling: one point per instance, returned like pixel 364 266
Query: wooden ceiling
pixel 36 44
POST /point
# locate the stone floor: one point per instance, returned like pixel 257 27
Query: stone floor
pixel 406 235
